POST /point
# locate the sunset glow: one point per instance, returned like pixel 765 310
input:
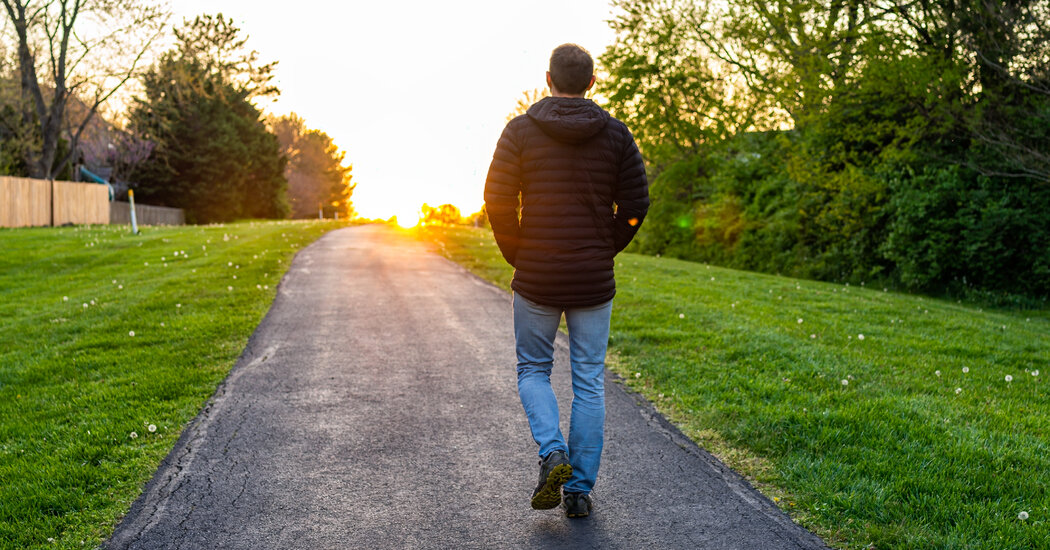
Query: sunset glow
pixel 415 92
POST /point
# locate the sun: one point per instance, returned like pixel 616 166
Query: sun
pixel 408 217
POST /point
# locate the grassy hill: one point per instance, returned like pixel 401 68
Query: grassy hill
pixel 877 419
pixel 111 343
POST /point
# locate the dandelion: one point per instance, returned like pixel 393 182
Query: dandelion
pixel 229 264
pixel 162 324
pixel 1022 516
pixel 1035 372
pixel 133 435
pixel 845 382
pixel 637 375
pixel 85 304
pixel 145 263
pixel 938 373
pixel 966 370
pixel 131 333
pixel 958 391
pixel 812 335
pixel 860 337
pixel 266 287
pixel 92 302
pixel 152 428
pixel 114 281
pixel 800 320
pixel 65 298
pixel 234 276
pixel 229 288
pixel 1009 378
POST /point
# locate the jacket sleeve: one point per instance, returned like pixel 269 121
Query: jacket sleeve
pixel 502 194
pixel 631 196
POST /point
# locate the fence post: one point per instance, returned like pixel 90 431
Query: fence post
pixel 134 224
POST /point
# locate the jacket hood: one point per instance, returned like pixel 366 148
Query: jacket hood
pixel 568 119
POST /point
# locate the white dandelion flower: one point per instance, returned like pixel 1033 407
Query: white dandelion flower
pixel 637 375
pixel 812 335
pixel 845 382
pixel 131 333
pixel 958 391
pixel 800 320
pixel 85 304
pixel 1035 372
pixel 1022 516
pixel 860 337
pixel 133 435
pixel 681 316
pixel 1009 378
pixel 152 428
pixel 966 370
pixel 65 298
pixel 229 288
pixel 938 373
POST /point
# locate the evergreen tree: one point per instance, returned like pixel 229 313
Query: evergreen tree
pixel 213 154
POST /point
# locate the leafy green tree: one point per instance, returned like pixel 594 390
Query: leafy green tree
pixel 213 154
pixel 316 173
pixel 903 142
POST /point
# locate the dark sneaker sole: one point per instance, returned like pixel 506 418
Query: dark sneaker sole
pixel 549 496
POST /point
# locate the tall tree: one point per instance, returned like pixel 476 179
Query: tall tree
pixel 92 48
pixel 213 154
pixel 318 177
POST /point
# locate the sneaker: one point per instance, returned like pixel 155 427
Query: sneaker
pixel 577 505
pixel 555 470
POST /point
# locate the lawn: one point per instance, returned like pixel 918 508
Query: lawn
pixel 877 419
pixel 110 343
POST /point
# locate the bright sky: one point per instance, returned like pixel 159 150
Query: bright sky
pixel 416 92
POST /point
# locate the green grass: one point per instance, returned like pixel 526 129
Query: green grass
pixel 880 442
pixel 78 392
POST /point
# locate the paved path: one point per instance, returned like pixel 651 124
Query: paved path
pixel 375 407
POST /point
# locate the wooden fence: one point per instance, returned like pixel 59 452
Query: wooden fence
pixel 120 212
pixel 31 202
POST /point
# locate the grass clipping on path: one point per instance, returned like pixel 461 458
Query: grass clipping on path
pixel 112 342
pixel 876 419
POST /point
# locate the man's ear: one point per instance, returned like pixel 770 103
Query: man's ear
pixel 550 84
pixel 589 84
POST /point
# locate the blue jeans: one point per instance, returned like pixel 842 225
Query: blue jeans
pixel 535 327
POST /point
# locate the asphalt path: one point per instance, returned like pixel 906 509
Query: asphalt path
pixel 375 406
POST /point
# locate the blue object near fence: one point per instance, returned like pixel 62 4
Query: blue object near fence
pixel 91 176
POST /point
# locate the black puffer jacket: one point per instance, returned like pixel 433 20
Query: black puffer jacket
pixel 583 196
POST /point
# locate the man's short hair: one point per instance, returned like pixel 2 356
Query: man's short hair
pixel 571 69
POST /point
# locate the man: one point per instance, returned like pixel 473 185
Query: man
pixel 583 195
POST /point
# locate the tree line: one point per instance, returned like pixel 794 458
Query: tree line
pixel 190 133
pixel 887 142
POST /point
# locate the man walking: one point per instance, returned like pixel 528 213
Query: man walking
pixel 578 178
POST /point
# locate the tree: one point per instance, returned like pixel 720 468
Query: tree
pixel 317 176
pixel 92 48
pixel 213 154
pixel 527 99
pixel 446 214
